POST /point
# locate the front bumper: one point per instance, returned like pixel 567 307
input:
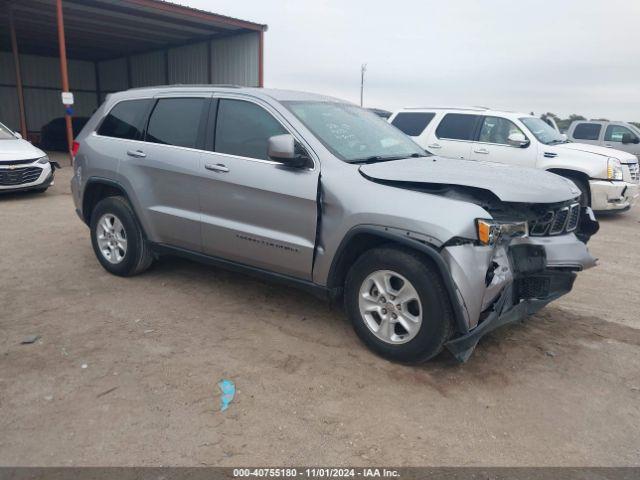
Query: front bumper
pixel 508 282
pixel 14 178
pixel 609 196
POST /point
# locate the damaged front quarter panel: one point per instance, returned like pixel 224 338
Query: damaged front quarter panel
pixel 511 280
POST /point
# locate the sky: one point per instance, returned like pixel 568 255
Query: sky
pixel 562 56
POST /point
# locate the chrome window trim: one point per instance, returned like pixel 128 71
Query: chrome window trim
pixel 190 149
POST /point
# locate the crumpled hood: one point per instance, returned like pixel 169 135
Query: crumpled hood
pixel 508 183
pixel 621 155
pixel 18 150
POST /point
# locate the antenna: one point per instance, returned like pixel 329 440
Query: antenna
pixel 363 69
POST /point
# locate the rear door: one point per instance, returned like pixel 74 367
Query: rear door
pixel 454 135
pixel 255 211
pixel 163 171
pixel 493 143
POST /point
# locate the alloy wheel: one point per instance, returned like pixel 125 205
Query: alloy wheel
pixel 390 307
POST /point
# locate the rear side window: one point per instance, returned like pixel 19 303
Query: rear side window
pixel 176 121
pixel 243 129
pixel 587 131
pixel 413 123
pixel 125 120
pixel 457 126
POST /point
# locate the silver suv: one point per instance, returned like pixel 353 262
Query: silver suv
pixel 321 194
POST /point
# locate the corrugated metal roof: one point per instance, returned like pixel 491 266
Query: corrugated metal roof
pixel 103 29
pixel 259 26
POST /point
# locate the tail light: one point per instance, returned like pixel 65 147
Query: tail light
pixel 74 149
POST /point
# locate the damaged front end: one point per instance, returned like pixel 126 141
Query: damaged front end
pixel 517 270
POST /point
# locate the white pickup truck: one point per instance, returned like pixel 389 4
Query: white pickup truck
pixel 608 178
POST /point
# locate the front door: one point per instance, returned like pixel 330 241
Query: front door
pixel 255 211
pixel 493 144
pixel 614 135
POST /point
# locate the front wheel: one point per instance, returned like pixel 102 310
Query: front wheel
pixel 585 193
pixel 117 238
pixel 398 304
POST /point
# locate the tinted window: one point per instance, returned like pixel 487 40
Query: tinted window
pixel 413 123
pixel 497 130
pixel 244 128
pixel 457 126
pixel 126 120
pixel 176 121
pixel 614 133
pixel 587 131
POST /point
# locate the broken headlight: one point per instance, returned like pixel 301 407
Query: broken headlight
pixel 491 231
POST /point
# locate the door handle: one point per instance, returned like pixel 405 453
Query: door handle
pixel 484 151
pixel 136 153
pixel 218 167
pixel 434 145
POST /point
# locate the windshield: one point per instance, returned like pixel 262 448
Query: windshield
pixel 353 134
pixel 5 133
pixel 542 131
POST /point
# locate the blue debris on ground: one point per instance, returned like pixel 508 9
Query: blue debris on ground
pixel 228 389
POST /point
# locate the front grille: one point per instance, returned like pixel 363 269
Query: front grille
pixel 17 162
pixel 556 222
pixel 19 176
pixel 634 169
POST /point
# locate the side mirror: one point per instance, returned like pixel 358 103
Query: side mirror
pixel 564 137
pixel 518 140
pixel 283 149
pixel 17 135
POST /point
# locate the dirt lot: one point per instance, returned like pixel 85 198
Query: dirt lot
pixel 561 389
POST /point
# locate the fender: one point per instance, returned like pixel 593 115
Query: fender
pixel 111 183
pixel 415 242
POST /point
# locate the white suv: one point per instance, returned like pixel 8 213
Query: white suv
pixel 607 178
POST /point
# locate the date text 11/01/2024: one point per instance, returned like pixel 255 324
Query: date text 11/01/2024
pixel 316 472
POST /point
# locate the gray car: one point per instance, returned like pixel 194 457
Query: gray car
pixel 316 192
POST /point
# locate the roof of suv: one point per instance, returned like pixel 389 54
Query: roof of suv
pixel 478 110
pixel 276 94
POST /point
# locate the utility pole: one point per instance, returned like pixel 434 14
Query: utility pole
pixel 363 69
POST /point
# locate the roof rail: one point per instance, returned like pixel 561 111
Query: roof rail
pixel 473 109
pixel 188 85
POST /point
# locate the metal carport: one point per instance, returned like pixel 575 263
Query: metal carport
pixel 94 47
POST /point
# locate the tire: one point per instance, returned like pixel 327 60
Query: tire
pixel 585 193
pixel 425 339
pixel 124 258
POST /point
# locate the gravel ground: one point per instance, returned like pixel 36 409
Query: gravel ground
pixel 562 388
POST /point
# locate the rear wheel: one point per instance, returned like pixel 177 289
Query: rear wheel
pixel 117 238
pixel 398 305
